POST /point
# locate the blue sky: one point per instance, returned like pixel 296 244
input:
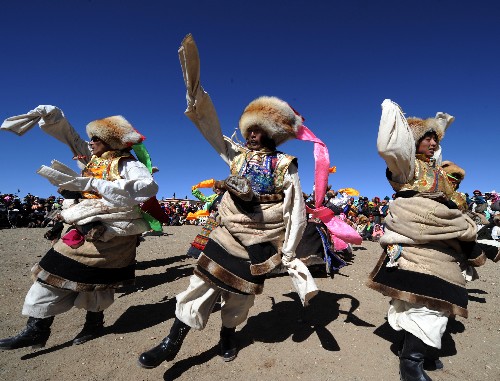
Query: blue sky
pixel 333 61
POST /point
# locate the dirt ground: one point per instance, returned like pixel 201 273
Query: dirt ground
pixel 342 335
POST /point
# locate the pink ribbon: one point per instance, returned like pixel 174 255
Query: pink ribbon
pixel 321 163
pixel 337 227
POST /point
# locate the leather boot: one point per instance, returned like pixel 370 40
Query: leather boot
pixel 35 334
pixel 228 347
pixel 432 361
pixel 93 327
pixel 411 359
pixel 167 349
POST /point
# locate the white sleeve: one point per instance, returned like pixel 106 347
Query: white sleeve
pixel 54 123
pixel 200 108
pixel 395 142
pixel 294 212
pixel 136 186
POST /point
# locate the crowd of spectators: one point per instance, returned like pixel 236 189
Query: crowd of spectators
pixel 30 211
pixel 367 216
pixel 364 215
pixel 483 207
pixel 34 212
pixel 177 212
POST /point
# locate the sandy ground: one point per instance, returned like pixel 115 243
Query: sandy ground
pixel 342 335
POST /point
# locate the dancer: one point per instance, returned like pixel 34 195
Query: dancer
pixel 427 238
pixel 97 252
pixel 262 217
pixel 210 208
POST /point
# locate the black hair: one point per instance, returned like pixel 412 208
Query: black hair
pixel 428 134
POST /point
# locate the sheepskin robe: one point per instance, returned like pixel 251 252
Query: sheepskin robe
pixel 428 241
pixel 290 204
pixel 266 229
pixel 436 243
pixel 109 261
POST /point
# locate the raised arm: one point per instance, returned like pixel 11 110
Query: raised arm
pixel 200 109
pixel 395 142
pixel 52 121
pixel 55 124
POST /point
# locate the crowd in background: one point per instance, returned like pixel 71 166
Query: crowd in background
pixel 30 211
pixel 364 215
pixel 177 212
pixel 367 216
pixel 34 212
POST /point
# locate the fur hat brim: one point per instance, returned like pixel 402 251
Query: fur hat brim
pixel 439 124
pixel 115 131
pixel 279 121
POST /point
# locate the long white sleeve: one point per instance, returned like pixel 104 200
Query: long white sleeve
pixel 136 186
pixel 200 108
pixel 54 123
pixel 294 212
pixel 395 142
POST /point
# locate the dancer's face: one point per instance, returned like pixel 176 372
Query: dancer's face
pixel 256 138
pixel 428 145
pixel 98 147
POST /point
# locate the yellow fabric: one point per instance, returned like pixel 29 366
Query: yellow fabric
pixel 430 177
pixel 197 214
pixel 104 167
pixel 349 191
pixel 205 184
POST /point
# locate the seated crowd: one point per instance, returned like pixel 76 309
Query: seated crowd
pixel 364 215
pixel 367 216
pixel 30 211
pixel 35 212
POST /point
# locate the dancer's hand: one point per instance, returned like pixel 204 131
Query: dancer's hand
pixel 286 260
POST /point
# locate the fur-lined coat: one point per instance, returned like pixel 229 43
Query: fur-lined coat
pixel 427 243
pixel 110 260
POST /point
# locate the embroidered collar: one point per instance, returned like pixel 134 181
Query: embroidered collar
pixel 422 157
pixel 108 155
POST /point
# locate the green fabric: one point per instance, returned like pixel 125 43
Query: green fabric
pixel 143 155
pixel 153 222
pixel 207 199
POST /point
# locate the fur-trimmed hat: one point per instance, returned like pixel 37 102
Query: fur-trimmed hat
pixel 453 170
pixel 115 131
pixel 274 116
pixel 439 124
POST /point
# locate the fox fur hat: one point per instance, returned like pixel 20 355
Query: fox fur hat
pixel 115 131
pixel 453 170
pixel 274 116
pixel 439 124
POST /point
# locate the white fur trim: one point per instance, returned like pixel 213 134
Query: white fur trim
pixel 274 116
pixel 116 131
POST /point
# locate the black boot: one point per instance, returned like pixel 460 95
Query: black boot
pixel 167 349
pixel 432 361
pixel 93 327
pixel 228 347
pixel 411 359
pixel 35 334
